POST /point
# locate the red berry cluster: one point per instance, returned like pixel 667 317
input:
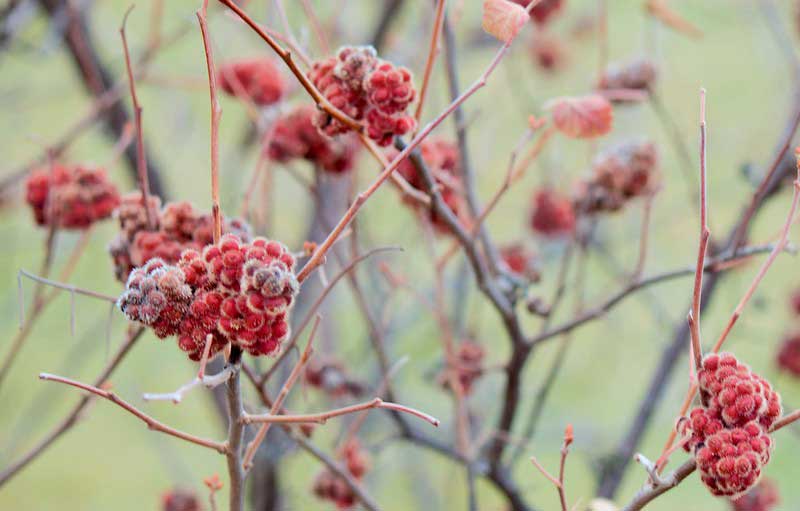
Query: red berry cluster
pixel 730 433
pixel 469 365
pixel 331 377
pixel 764 497
pixel 178 226
pixel 232 292
pixel 180 500
pixel 367 89
pixel 294 136
pixel 444 162
pixel 622 173
pixel 520 260
pixel 547 51
pixel 788 357
pixel 329 486
pixel 258 79
pixel 553 215
pixel 543 11
pixel 70 197
pixel 639 74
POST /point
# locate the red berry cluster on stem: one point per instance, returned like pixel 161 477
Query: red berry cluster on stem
pixel 329 486
pixel 331 377
pixel 468 365
pixel 231 292
pixel 443 160
pixel 520 260
pixel 553 215
pixel 180 500
pixel 295 136
pixel 70 197
pixel 367 89
pixel 620 174
pixel 639 74
pixel 730 432
pixel 178 226
pixel 788 356
pixel 257 79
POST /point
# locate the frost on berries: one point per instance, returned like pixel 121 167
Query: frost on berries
pixel 70 196
pixel 178 226
pixel 330 376
pixel 257 79
pixel 295 136
pixel 729 434
pixel 582 117
pixel 788 356
pixel 366 88
pixel 231 292
pixel 180 500
pixel 503 19
pixel 764 497
pixel 621 173
pixel 544 10
pixel 329 486
pixel 553 215
pixel 444 162
pixel 639 74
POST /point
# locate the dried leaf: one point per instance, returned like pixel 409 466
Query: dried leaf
pixel 503 19
pixel 582 117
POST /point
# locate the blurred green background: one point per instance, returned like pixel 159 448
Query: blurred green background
pixel 111 461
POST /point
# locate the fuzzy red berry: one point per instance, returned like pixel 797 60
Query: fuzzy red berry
pixel 180 500
pixel 788 356
pixel 70 197
pixel 553 215
pixel 294 136
pixel 257 79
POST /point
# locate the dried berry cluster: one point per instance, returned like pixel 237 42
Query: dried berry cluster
pixel 764 497
pixel 329 486
pixel 621 173
pixel 178 226
pixel 730 433
pixel 468 365
pixel 547 51
pixel 231 292
pixel 331 377
pixel 180 500
pixel 257 79
pixel 294 136
pixel 544 10
pixel 442 159
pixel 520 260
pixel 70 197
pixel 788 357
pixel 367 89
pixel 552 215
pixel 639 74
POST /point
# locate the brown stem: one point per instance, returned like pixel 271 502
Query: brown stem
pixel 233 446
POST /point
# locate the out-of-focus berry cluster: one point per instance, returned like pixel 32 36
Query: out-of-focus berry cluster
pixel 178 226
pixel 521 260
pixel 231 292
pixel 639 74
pixel 70 196
pixel 468 366
pixel 552 214
pixel 764 497
pixel 367 89
pixel 257 79
pixel 180 500
pixel 295 136
pixel 331 377
pixel 329 486
pixel 619 174
pixel 442 159
pixel 543 11
pixel 788 355
pixel 729 433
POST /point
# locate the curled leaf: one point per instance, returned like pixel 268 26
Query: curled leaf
pixel 582 117
pixel 503 19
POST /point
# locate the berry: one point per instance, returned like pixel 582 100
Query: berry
pixel 367 89
pixel 552 215
pixel 622 173
pixel 258 79
pixel 582 117
pixel 520 260
pixel 70 197
pixel 638 74
pixel 329 486
pixel 294 136
pixel 180 500
pixel 788 356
